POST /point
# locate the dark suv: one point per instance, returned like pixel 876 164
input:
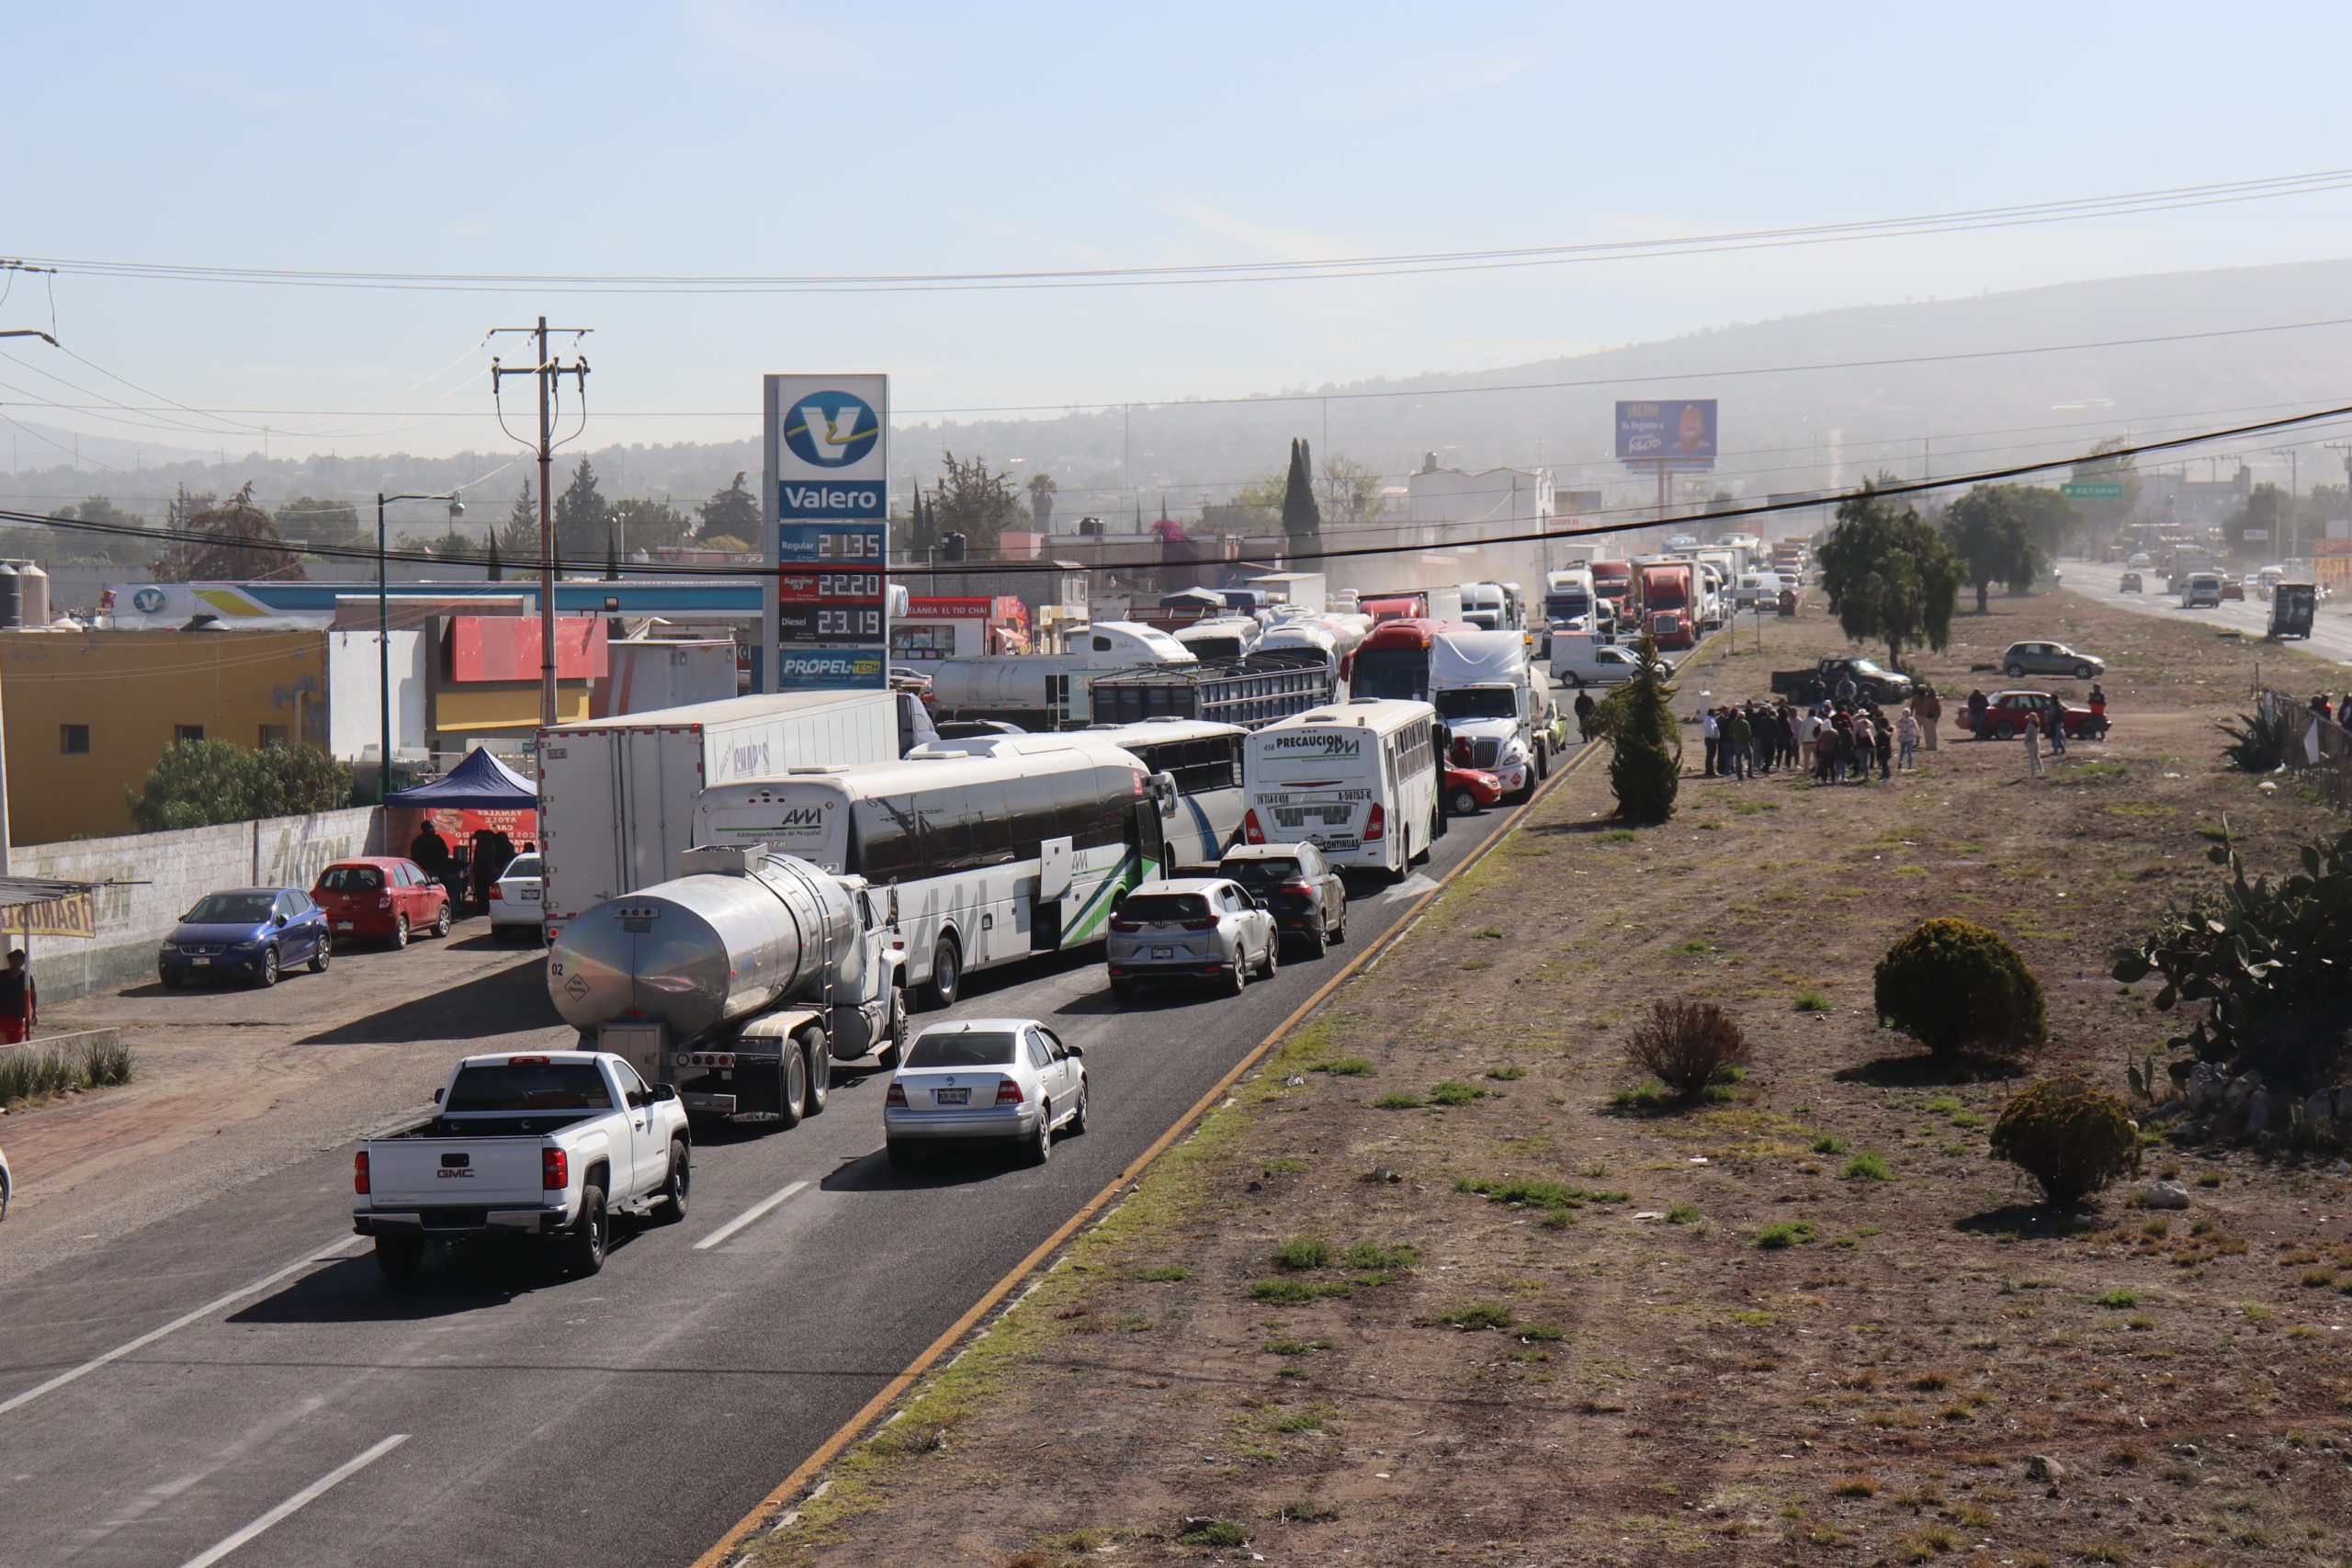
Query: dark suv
pixel 1301 889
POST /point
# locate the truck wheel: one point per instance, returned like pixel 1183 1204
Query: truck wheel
pixel 399 1256
pixel 671 1207
pixel 819 1060
pixel 583 1249
pixel 791 1083
pixel 894 1030
pixel 946 980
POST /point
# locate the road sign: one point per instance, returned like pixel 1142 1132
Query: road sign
pixel 827 504
pixel 2100 490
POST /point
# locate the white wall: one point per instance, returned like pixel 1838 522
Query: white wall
pixel 148 880
pixel 352 700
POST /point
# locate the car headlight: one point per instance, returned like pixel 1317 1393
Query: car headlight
pixel 170 946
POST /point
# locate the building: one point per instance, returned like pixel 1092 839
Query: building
pixel 88 713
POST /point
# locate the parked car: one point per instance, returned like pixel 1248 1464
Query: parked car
pixel 1872 680
pixel 1194 928
pixel 2007 714
pixel 1300 888
pixel 384 896
pixel 246 933
pixel 1465 791
pixel 984 1081
pixel 2131 583
pixel 550 1145
pixel 514 898
pixel 2050 659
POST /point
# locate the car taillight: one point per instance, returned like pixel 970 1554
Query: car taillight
pixel 1250 829
pixel 497 892
pixel 1304 890
pixel 897 1095
pixel 1008 1093
pixel 1375 826
pixel 359 1173
pixel 555 1169
pixel 385 902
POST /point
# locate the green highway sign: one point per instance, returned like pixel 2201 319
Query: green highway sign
pixel 2106 492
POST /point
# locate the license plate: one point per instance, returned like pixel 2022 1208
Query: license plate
pixel 199 963
pixel 1163 953
pixel 951 1096
pixel 343 925
pixel 532 894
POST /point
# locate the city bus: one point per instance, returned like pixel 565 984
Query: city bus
pixel 995 858
pixel 1358 780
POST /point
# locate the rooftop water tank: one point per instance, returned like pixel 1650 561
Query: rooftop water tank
pixel 32 585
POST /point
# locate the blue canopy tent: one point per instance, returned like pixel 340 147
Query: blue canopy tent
pixel 479 783
pixel 480 792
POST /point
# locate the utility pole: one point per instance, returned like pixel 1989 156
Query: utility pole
pixel 546 372
pixel 2294 493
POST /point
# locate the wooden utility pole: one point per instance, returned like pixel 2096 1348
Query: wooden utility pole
pixel 546 371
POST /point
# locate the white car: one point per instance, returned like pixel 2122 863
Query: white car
pixel 1191 928
pixel 515 898
pixel 984 1081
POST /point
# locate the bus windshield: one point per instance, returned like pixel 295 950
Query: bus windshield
pixel 1400 672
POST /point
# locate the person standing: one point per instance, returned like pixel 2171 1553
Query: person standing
pixel 1711 731
pixel 1978 703
pixel 2033 750
pixel 1927 707
pixel 430 849
pixel 1735 743
pixel 1882 740
pixel 1865 743
pixel 1907 738
pixel 1584 715
pixel 2056 722
pixel 1824 749
pixel 19 1004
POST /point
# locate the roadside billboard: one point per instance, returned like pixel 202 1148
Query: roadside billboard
pixel 828 505
pixel 1679 433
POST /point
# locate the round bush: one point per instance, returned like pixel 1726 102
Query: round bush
pixel 2071 1138
pixel 1954 986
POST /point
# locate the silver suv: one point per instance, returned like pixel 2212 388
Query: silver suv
pixel 1194 928
pixel 2050 659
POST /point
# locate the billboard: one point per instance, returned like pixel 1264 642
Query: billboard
pixel 1679 433
pixel 828 504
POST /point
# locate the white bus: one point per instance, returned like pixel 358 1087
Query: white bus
pixel 1358 780
pixel 994 858
pixel 1200 821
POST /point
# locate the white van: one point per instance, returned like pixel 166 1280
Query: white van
pixel 1581 658
pixel 2201 591
pixel 1358 780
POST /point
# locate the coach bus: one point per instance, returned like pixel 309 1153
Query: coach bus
pixel 995 858
pixel 1357 780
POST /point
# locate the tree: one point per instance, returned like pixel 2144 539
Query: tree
pixel 975 502
pixel 647 525
pixel 1348 490
pixel 1301 519
pixel 1041 501
pixel 582 516
pixel 1889 574
pixel 184 506
pixel 497 567
pixel 2103 467
pixel 1645 745
pixel 521 534
pixel 330 525
pixel 2264 514
pixel 119 548
pixel 1266 494
pixel 295 781
pixel 734 510
pixel 1987 531
pixel 237 541
pixel 2051 520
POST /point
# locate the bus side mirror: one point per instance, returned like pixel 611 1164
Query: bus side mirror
pixel 1163 790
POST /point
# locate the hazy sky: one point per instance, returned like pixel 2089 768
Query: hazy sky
pixel 735 138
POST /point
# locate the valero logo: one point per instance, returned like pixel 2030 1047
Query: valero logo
pixel 830 430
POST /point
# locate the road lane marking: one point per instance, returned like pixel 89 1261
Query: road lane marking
pixel 300 1500
pixel 750 1214
pixel 331 1249
pixel 725 1549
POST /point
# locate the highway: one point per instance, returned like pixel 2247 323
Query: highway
pixel 2331 631
pixel 236 1384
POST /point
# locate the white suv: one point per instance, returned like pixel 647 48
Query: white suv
pixel 1196 929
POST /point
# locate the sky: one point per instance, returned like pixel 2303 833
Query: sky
pixel 725 137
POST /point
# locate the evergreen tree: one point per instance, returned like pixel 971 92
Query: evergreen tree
pixel 582 518
pixel 1645 746
pixel 1301 519
pixel 1989 531
pixel 521 532
pixel 497 567
pixel 733 511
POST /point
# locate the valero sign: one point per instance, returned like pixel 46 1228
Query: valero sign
pixel 828 532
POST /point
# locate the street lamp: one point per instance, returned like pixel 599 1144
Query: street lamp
pixel 384 636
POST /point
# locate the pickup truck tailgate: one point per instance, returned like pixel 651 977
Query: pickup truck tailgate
pixel 472 1172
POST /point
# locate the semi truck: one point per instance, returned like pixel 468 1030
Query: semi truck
pixel 1482 687
pixel 616 796
pixel 741 981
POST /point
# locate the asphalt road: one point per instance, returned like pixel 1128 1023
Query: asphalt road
pixel 237 1373
pixel 2331 629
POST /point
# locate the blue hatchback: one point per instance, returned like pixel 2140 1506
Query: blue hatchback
pixel 250 933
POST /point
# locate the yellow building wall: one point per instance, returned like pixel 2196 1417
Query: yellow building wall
pixel 133 691
pixel 504 705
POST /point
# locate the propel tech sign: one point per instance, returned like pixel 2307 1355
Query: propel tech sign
pixel 828 506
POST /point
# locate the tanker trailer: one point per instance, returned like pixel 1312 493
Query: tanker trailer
pixel 742 981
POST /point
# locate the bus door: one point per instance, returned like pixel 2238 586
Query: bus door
pixel 1053 888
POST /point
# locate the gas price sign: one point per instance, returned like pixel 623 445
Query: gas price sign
pixel 828 441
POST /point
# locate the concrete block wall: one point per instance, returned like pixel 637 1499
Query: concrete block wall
pixel 148 880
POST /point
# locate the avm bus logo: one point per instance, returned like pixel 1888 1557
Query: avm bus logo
pixel 831 430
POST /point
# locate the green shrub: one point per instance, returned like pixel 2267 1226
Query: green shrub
pixel 1866 1167
pixel 1479 1316
pixel 1955 985
pixel 1786 1233
pixel 1303 1252
pixel 1686 1044
pixel 2072 1138
pixel 2257 742
pixel 1645 756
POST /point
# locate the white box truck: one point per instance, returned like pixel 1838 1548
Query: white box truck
pixel 616 796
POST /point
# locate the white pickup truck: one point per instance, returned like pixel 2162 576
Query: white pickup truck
pixel 551 1146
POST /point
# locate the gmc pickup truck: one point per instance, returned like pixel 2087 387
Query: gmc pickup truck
pixel 549 1146
pixel 1870 680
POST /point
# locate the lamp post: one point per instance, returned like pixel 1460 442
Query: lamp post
pixel 384 637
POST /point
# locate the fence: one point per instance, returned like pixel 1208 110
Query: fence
pixel 146 881
pixel 2318 751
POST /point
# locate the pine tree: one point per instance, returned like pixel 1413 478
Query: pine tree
pixel 581 514
pixel 1301 519
pixel 1645 760
pixel 497 567
pixel 521 535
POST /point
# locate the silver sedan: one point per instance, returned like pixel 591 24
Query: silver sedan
pixel 1193 928
pixel 1006 1081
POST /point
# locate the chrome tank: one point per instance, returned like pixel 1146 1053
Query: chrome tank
pixel 709 948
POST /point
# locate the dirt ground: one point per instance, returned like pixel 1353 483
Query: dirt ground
pixel 1527 1323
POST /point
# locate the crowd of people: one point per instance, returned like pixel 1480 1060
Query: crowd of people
pixel 1842 738
pixel 488 854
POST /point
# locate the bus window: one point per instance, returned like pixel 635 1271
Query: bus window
pixel 885 846
pixel 1029 805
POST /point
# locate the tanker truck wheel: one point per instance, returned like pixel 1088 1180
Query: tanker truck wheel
pixel 946 982
pixel 819 1060
pixel 791 1083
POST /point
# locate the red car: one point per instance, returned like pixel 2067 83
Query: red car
pixel 383 896
pixel 2008 712
pixel 1470 789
